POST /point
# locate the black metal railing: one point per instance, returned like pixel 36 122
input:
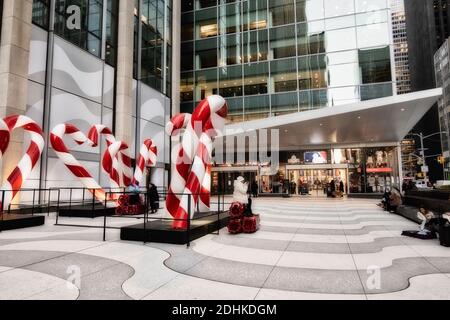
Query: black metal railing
pixel 47 201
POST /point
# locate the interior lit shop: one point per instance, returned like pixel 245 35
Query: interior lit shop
pixel 311 172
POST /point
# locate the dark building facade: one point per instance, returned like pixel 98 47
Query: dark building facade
pixel 427 29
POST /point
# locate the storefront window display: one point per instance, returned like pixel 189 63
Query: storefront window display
pixel 310 172
pixel 373 170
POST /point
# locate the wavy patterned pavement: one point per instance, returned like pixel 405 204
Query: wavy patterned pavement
pixel 306 249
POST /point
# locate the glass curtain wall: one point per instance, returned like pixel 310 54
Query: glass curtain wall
pixel 272 57
pixel 88 33
pixel 153 21
pixel 81 23
pixel 41 13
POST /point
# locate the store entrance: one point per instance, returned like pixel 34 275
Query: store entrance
pixel 315 182
pixel 223 182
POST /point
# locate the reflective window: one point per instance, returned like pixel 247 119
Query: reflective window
pixel 272 57
pixel 254 15
pixel 206 23
pixel 235 109
pixel 284 75
pixel 375 65
pixel 152 42
pixel 206 84
pixel 80 22
pixel 187 27
pixel 312 72
pixel 256 78
pixel 187 52
pixel 256 107
pixel 282 42
pixel 308 10
pixel 256 46
pixel 230 50
pixel 281 12
pixel 200 4
pixel 187 86
pixel 310 42
pixel 376 91
pixel 206 53
pixel 40 13
pixel 112 12
pixel 153 22
pixel 284 103
pixel 230 18
pixel 187 5
pixel 231 82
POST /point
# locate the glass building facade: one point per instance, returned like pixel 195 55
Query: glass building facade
pixel 153 43
pixel 273 57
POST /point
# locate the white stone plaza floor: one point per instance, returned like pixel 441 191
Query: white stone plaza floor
pixel 306 249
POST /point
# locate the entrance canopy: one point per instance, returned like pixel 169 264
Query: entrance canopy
pixel 384 121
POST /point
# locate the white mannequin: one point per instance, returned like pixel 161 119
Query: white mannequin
pixel 380 157
pixel 370 161
pixel 240 191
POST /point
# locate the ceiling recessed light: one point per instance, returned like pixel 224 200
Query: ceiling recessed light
pixel 403 109
pixel 359 117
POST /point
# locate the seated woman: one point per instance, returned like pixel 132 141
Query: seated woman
pixel 428 228
pixel 395 200
pixel 425 216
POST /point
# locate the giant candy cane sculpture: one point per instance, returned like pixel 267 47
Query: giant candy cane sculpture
pixel 26 165
pixel 205 124
pixel 117 166
pixel 181 162
pixel 147 157
pixel 58 145
pixel 115 162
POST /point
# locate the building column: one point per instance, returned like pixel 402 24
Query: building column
pixel 124 70
pixel 176 56
pixel 14 56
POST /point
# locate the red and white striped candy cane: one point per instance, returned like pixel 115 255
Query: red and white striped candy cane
pixel 58 145
pixel 210 115
pixel 26 165
pixel 181 163
pixel 120 172
pixel 205 191
pixel 147 157
pixel 110 162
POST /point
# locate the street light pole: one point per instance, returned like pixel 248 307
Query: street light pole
pixel 422 153
pixel 422 148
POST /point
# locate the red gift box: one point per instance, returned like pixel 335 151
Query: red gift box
pixel 251 224
pixel 236 210
pixel 235 226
